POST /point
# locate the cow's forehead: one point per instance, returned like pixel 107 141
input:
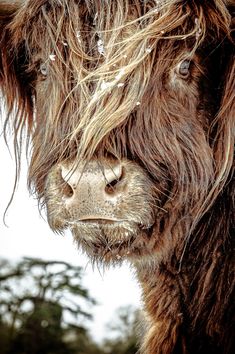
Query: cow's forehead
pixel 107 71
pixel 39 17
pixel 132 31
pixel 132 10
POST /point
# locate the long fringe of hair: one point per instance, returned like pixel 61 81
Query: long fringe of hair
pixel 100 58
pixel 104 64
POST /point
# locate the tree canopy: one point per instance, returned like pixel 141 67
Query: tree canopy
pixel 44 309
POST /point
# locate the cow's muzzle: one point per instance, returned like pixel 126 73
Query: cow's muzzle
pixel 108 204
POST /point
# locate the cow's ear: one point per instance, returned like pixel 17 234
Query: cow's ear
pixel 7 13
pixel 13 57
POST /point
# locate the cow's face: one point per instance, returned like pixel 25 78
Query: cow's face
pixel 120 100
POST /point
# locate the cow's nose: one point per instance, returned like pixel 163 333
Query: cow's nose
pixel 92 181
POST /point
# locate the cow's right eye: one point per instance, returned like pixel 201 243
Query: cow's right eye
pixel 43 69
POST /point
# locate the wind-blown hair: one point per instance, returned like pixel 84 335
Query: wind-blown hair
pixel 107 99
pixel 103 78
pixel 129 30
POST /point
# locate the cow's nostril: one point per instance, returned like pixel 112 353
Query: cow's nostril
pixel 114 180
pixel 110 187
pixel 67 190
pixel 66 183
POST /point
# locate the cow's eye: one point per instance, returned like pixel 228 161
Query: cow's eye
pixel 184 68
pixel 43 69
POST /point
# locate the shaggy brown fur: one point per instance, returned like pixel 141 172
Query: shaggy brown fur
pixel 151 83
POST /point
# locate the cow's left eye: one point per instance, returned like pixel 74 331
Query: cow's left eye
pixel 184 68
pixel 43 69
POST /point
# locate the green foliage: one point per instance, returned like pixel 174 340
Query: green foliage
pixel 4 336
pixel 124 330
pixel 44 309
pixel 40 306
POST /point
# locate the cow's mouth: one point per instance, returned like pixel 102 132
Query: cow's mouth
pixel 111 240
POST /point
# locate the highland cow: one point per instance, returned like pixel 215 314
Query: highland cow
pixel 129 106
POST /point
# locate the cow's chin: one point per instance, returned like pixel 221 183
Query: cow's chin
pixel 111 242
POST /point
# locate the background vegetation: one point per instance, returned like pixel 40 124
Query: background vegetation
pixel 44 309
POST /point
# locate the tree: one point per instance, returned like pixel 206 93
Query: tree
pixel 41 304
pixel 4 336
pixel 44 309
pixel 124 331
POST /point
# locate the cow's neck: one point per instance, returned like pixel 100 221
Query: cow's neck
pixel 192 302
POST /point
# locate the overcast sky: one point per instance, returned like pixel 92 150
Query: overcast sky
pixel 29 235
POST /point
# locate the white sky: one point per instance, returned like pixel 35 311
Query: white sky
pixel 29 235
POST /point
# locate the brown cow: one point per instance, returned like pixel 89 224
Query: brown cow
pixel 129 106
